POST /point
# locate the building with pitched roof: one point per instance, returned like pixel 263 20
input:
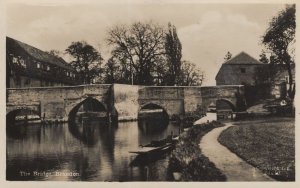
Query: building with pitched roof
pixel 243 69
pixel 27 66
pixel 239 70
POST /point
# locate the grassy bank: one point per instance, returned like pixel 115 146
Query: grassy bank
pixel 266 144
pixel 188 160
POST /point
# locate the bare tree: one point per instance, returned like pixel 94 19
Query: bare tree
pixel 191 75
pixel 140 45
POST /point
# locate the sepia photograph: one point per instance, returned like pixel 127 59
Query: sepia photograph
pixel 150 91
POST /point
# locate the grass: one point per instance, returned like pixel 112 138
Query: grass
pixel 267 144
pixel 188 159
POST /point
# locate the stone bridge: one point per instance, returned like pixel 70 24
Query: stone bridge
pixel 57 103
pixel 124 101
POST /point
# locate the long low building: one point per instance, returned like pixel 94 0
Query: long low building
pixel 27 66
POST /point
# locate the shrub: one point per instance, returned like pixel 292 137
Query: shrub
pixel 188 159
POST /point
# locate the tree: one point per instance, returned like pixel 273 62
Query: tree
pixel 55 53
pixel 140 46
pixel 263 58
pixel 113 72
pixel 86 61
pixel 280 39
pixel 173 53
pixel 190 75
pixel 227 56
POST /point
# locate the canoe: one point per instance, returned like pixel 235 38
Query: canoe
pixel 151 149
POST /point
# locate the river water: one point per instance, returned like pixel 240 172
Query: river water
pixel 93 152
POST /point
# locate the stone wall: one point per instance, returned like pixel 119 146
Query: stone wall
pixel 231 74
pixel 126 101
pixel 170 98
pixel 192 99
pixel 233 94
pixel 118 99
pixel 56 102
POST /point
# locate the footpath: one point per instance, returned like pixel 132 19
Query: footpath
pixel 233 167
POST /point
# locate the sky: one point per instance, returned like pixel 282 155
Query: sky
pixel 206 31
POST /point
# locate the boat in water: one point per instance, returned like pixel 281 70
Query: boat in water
pixel 153 151
pixel 26 120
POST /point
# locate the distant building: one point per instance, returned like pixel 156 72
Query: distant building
pixel 280 84
pixel 239 70
pixel 27 66
pixel 242 69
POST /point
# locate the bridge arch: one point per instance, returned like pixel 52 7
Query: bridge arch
pixel 152 118
pixel 13 113
pixel 97 106
pixel 224 104
pixel 153 106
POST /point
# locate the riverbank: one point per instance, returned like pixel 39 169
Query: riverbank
pixel 187 161
pixel 233 167
pixel 268 144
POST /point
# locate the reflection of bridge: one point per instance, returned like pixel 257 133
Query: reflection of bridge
pixel 124 101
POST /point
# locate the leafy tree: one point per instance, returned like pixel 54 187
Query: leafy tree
pixel 173 53
pixel 227 56
pixel 280 39
pixel 263 58
pixel 140 46
pixel 86 61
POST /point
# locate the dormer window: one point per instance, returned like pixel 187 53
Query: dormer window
pixel 287 79
pixel 15 60
pixel 22 62
pixel 243 70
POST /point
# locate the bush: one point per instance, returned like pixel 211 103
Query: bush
pixel 188 159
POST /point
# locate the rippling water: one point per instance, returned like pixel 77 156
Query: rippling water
pixel 90 152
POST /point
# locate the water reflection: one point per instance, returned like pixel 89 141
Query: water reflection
pixel 150 125
pixel 89 132
pixel 95 150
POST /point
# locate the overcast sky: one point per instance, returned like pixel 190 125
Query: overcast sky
pixel 206 31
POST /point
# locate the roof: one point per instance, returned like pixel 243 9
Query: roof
pixel 39 54
pixel 240 59
pixel 243 59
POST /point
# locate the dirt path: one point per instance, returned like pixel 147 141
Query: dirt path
pixel 234 168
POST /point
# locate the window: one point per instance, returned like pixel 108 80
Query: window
pixel 15 60
pixel 243 70
pixel 18 81
pixel 287 80
pixel 27 82
pixel 38 65
pixel 22 62
pixel 67 73
pixel 48 67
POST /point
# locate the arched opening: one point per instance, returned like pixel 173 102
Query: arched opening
pixel 17 121
pixel 87 120
pixel 224 109
pixel 152 118
pixel 87 110
pixel 22 116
